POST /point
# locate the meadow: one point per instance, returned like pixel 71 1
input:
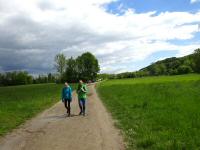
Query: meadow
pixel 156 113
pixel 19 103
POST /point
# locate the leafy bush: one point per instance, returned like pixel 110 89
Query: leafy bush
pixel 184 69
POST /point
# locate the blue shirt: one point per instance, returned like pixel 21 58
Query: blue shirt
pixel 67 93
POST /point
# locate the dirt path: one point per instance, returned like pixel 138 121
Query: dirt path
pixel 52 130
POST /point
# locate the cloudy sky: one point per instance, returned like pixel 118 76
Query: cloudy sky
pixel 125 35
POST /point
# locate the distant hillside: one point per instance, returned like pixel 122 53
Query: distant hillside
pixel 169 66
pixel 172 66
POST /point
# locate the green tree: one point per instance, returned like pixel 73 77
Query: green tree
pixel 197 60
pixel 154 69
pixel 60 63
pixel 1 79
pixel 162 69
pixel 29 79
pixel 50 78
pixel 71 74
pixel 183 69
pixel 22 78
pixel 87 66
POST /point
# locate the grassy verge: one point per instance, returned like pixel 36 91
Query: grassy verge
pixel 19 103
pixel 156 113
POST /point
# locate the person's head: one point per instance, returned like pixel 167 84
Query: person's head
pixel 66 84
pixel 81 81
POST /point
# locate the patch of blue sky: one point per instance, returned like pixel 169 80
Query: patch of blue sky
pixel 153 58
pixel 142 6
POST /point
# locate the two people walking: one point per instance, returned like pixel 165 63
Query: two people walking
pixel 67 97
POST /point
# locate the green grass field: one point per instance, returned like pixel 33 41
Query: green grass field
pixel 19 103
pixel 156 113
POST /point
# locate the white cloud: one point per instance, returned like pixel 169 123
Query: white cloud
pixel 75 26
pixel 194 1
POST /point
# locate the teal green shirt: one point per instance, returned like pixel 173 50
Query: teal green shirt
pixel 82 91
pixel 67 93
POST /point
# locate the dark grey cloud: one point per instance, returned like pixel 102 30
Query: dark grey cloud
pixel 30 60
pixel 28 45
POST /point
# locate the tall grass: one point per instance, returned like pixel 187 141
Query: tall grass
pixel 156 113
pixel 18 103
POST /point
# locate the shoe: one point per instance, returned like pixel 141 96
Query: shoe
pixel 80 113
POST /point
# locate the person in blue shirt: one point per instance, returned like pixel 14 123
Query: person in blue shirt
pixel 67 97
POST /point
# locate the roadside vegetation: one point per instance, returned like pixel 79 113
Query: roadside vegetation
pixel 156 113
pixel 19 103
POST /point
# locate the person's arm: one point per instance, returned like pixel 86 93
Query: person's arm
pixel 84 88
pixel 62 94
pixel 70 93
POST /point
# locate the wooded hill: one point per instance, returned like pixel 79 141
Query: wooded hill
pixel 172 66
pixel 169 66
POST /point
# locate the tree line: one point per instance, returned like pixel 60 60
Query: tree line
pixel 84 67
pixel 23 77
pixel 170 66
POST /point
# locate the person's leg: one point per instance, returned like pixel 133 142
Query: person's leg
pixel 80 106
pixel 65 103
pixel 69 108
pixel 83 103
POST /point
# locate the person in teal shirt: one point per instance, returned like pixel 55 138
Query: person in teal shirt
pixel 82 95
pixel 67 97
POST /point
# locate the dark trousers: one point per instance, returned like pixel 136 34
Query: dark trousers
pixel 81 103
pixel 67 106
